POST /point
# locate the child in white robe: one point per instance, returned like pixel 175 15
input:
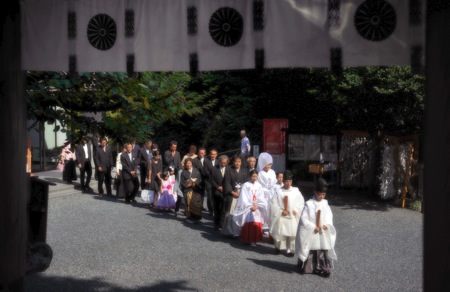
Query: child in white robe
pixel 316 235
pixel 250 210
pixel 286 207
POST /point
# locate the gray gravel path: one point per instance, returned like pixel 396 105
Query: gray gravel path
pixel 102 244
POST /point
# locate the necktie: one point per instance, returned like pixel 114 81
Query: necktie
pixel 222 171
pixel 201 161
pixel 213 162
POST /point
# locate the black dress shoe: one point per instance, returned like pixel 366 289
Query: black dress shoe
pixel 133 200
pixel 277 251
pixel 127 201
pixel 84 191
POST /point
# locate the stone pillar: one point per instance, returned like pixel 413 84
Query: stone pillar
pixel 437 149
pixel 14 183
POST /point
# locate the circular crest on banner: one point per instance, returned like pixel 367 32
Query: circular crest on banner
pixel 102 32
pixel 375 20
pixel 226 26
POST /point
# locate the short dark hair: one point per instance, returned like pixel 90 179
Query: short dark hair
pixel 186 160
pixel 252 172
pixel 173 142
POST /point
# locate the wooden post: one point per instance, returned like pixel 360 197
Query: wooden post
pixel 436 148
pixel 14 180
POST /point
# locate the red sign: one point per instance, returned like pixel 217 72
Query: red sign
pixel 274 136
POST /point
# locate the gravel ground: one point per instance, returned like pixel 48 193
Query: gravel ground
pixel 102 244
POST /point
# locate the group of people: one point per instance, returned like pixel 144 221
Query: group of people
pixel 245 201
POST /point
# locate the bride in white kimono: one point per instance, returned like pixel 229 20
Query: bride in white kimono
pixel 316 235
pixel 250 211
pixel 267 178
pixel 286 207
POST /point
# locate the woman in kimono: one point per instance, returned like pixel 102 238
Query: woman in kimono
pixel 316 235
pixel 189 183
pixel 154 171
pixel 68 157
pixel 286 207
pixel 167 198
pixel 233 180
pixel 250 210
pixel 267 178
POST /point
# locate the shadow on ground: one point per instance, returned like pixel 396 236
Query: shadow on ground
pixel 51 283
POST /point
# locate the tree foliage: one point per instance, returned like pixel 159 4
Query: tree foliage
pixel 130 107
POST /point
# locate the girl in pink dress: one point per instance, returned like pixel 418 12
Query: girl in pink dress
pixel 167 198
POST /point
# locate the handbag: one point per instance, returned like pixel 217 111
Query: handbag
pixel 147 195
pixel 60 166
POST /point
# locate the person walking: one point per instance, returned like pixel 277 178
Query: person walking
pixel 245 145
pixel 104 162
pixel 286 206
pixel 68 157
pixel 172 157
pixel 233 181
pixel 145 155
pixel 129 173
pixel 316 235
pixel 83 161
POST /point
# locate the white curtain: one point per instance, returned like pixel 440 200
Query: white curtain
pixel 208 35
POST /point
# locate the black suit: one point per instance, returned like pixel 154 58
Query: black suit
pixel 104 159
pixel 174 160
pixel 215 181
pixel 86 167
pixel 127 167
pixel 208 164
pixel 144 160
pixel 197 163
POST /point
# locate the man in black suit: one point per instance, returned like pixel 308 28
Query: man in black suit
pixel 216 175
pixel 210 162
pixel 172 157
pixel 145 155
pixel 83 162
pixel 129 173
pixel 104 162
pixel 199 162
pixel 135 148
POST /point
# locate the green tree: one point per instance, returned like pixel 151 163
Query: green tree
pixel 130 107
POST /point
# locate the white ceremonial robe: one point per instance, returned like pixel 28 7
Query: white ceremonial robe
pixel 306 239
pixel 267 180
pixel 251 193
pixel 284 228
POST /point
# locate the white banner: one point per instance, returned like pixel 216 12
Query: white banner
pixel 374 33
pixel 296 34
pixel 207 35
